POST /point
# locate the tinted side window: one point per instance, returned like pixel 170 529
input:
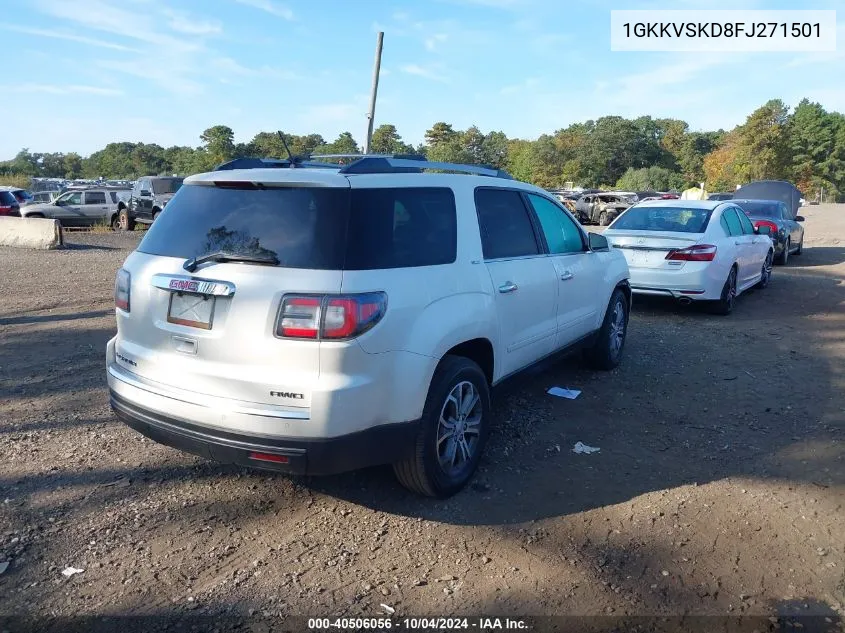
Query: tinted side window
pixel 506 229
pixel 747 227
pixel 732 219
pixel 784 212
pixel 562 235
pixel 95 197
pixel 113 195
pixel 401 228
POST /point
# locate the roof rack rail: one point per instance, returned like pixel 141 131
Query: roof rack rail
pixel 364 164
pixel 416 164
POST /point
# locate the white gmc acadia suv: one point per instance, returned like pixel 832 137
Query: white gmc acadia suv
pixel 315 318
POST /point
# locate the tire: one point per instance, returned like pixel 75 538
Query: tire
pixel 125 220
pixel 156 213
pixel 427 472
pixel 783 258
pixel 603 219
pixel 34 215
pixel 115 222
pixel 606 352
pixel 800 247
pixel 725 305
pixel 766 273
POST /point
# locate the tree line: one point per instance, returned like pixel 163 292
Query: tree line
pixel 805 146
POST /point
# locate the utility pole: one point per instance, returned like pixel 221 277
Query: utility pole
pixel 371 115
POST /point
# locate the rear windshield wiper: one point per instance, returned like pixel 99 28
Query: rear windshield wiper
pixel 223 256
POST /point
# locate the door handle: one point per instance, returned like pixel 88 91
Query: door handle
pixel 508 286
pixel 738 243
pixel 566 275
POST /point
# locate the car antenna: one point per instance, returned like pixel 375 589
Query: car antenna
pixel 293 159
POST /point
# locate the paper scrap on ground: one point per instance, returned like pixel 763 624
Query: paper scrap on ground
pixel 70 571
pixel 388 609
pixel 560 392
pixel 580 447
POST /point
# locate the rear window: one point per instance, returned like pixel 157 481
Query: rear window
pixel 166 185
pixel 7 198
pixel 319 228
pixel 760 208
pixel 676 219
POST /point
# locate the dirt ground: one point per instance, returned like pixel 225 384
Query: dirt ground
pixel 718 489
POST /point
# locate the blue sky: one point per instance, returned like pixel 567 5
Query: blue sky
pixel 87 72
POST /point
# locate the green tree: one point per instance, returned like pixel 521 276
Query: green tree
pixel 440 134
pixel 765 141
pixel 72 165
pixel 219 142
pixel 386 140
pixel 654 178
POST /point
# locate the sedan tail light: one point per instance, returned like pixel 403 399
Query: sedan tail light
pixel 695 253
pixel 122 285
pixel 329 317
pixel 6 210
pixel 772 226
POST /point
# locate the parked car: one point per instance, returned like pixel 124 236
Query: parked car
pixel 149 197
pixel 780 190
pixel 693 250
pixel 21 195
pixel 87 207
pixel 9 205
pixel 600 208
pixel 786 231
pixel 321 319
pixel 720 195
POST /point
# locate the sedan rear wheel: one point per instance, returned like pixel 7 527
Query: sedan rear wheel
pixel 766 273
pixel 725 304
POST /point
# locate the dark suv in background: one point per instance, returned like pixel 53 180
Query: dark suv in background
pixel 149 197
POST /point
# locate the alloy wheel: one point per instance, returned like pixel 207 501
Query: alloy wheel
pixel 459 427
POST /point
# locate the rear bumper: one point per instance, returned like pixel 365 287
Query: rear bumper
pixel 378 445
pixel 693 282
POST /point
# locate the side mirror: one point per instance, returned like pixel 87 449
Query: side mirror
pixel 59 203
pixel 763 230
pixel 145 193
pixel 799 218
pixel 598 242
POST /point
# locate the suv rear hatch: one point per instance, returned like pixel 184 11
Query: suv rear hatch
pixel 210 327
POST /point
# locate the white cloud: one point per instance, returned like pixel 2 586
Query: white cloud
pixel 528 84
pixel 183 22
pixel 229 65
pixel 60 35
pixel 432 42
pixel 273 8
pixel 69 89
pixel 420 71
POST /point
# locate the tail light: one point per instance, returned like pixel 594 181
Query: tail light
pixel 329 317
pixel 695 253
pixel 121 289
pixel 6 210
pixel 772 226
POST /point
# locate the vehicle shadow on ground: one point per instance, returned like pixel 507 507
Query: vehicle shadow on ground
pixel 47 318
pixel 818 256
pixel 76 246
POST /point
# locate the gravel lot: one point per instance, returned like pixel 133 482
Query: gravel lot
pixel 718 488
